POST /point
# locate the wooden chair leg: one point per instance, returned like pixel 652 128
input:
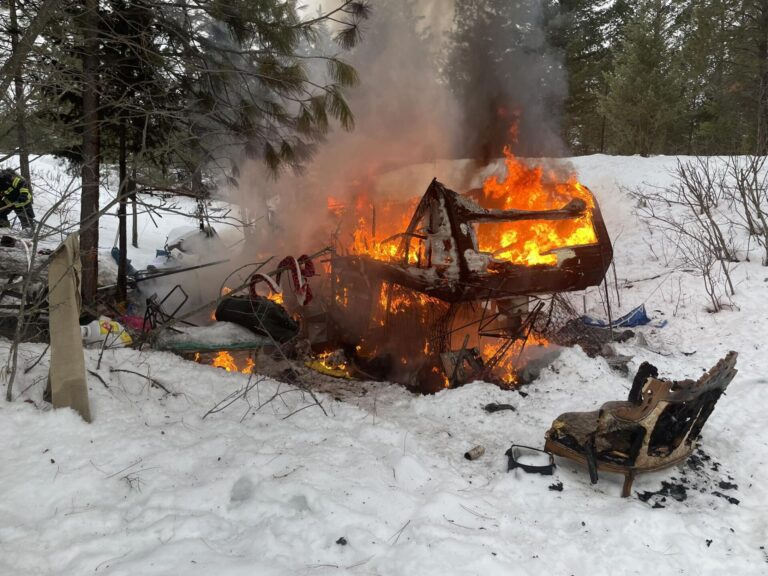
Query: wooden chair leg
pixel 629 477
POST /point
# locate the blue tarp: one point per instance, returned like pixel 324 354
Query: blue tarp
pixel 637 317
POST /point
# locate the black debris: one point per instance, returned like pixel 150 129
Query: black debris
pixel 730 499
pixel 677 492
pixel 494 407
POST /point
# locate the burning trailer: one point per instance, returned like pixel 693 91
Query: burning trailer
pixel 463 287
pixel 430 293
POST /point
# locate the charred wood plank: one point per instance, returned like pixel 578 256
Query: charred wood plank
pixel 575 208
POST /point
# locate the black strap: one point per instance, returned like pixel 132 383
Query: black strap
pixel 514 453
pixel 591 455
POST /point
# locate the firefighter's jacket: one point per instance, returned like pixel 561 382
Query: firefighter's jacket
pixel 14 192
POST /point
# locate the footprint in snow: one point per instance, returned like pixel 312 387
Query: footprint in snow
pixel 242 490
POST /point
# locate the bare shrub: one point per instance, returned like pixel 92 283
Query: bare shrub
pixel 748 194
pixel 687 215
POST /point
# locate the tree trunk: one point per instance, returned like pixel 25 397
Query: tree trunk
pixel 135 211
pixel 21 104
pixel 122 262
pixel 198 192
pixel 603 121
pixel 762 55
pixel 89 199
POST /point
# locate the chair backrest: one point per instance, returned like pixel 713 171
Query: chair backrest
pixel 674 413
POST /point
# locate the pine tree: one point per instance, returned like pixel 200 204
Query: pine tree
pixel 509 81
pixel 643 106
pixel 236 62
pixel 20 98
pixel 750 67
pixel 715 109
pixel 247 86
pixel 589 33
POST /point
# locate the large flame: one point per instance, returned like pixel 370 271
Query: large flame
pixel 377 226
pixel 532 188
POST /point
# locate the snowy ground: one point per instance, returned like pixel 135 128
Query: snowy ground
pixel 380 485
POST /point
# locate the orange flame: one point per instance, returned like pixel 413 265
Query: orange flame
pixel 506 368
pixel 529 241
pixel 225 360
pixel 277 298
pixel 378 228
pixel 326 360
pixel 249 366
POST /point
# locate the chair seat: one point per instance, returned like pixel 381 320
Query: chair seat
pixel 576 425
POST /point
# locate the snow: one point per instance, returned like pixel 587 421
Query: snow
pixel 217 336
pixel 152 487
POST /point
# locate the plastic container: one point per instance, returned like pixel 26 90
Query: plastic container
pixel 105 329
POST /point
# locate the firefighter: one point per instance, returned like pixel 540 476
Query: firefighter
pixel 15 195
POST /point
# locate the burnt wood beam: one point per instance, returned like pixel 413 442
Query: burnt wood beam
pixel 574 209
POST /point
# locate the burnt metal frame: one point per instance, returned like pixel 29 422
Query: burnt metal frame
pixel 466 212
pixel 586 268
pixel 155 310
pixel 526 329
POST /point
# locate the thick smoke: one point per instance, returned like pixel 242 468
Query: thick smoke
pixel 404 114
pixel 511 84
pixel 434 84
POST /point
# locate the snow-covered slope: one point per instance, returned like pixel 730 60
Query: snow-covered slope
pixel 380 485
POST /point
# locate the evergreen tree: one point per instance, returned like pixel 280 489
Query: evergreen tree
pixel 237 63
pixel 509 81
pixel 750 70
pixel 643 105
pixel 589 33
pixel 247 85
pixel 715 110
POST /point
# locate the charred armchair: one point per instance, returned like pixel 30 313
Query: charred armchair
pixel 658 429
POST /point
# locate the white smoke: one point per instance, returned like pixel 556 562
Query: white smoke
pixel 406 114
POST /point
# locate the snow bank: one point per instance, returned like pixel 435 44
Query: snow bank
pixel 380 484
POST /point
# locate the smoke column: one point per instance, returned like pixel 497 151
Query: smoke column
pixel 510 84
pixel 404 114
pixel 503 78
